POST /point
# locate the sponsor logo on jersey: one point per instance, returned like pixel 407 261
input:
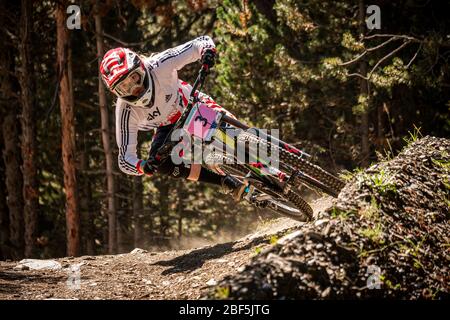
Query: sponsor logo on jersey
pixel 152 115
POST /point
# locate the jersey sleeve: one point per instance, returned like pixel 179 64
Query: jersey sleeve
pixel 126 138
pixel 176 58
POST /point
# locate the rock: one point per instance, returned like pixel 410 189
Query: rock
pixel 211 282
pixel 88 258
pixel 36 264
pixel 241 269
pixel 326 292
pixel 289 237
pixel 138 251
pixel 320 222
pixel 220 261
pixel 21 267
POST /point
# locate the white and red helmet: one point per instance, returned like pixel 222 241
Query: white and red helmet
pixel 117 66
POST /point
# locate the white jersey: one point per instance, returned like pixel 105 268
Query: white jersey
pixel 167 99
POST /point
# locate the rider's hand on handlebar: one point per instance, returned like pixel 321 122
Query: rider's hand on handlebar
pixel 209 57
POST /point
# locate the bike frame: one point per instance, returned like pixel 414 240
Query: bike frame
pixel 217 136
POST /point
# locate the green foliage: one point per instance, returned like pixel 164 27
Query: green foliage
pixel 375 234
pixel 442 163
pixel 389 284
pixel 340 214
pixel 222 293
pixel 413 136
pixel 346 175
pixel 362 106
pixel 371 211
pixel 349 42
pixel 257 250
pixel 414 250
pixel 273 239
pixel 382 181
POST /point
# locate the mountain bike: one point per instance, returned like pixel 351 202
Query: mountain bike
pixel 273 185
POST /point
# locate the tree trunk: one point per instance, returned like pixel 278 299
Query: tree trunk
pixel 11 197
pixel 150 236
pixel 68 132
pixel 13 181
pixel 4 212
pixel 87 223
pixel 121 227
pixel 138 213
pixel 112 240
pixel 163 188
pixel 180 220
pixel 122 217
pixel 364 91
pixel 180 209
pixel 380 129
pixel 28 143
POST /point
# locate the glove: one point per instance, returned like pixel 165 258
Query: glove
pixel 147 167
pixel 209 57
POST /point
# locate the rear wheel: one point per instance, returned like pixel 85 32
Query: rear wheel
pixel 288 209
pixel 312 174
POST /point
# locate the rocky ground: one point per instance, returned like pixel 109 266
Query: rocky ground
pixel 387 235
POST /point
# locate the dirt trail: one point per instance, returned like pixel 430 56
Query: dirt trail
pixel 182 274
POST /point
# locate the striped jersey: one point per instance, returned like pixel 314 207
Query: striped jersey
pixel 167 102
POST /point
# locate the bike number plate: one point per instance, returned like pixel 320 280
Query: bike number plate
pixel 202 121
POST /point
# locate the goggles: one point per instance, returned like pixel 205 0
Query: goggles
pixel 134 80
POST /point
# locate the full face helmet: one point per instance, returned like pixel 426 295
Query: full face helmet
pixel 124 73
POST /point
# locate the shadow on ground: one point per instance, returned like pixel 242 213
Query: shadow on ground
pixel 196 258
pixel 12 283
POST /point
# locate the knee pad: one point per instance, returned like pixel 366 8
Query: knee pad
pixel 176 171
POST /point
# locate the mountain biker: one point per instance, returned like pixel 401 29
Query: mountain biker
pixel 150 96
